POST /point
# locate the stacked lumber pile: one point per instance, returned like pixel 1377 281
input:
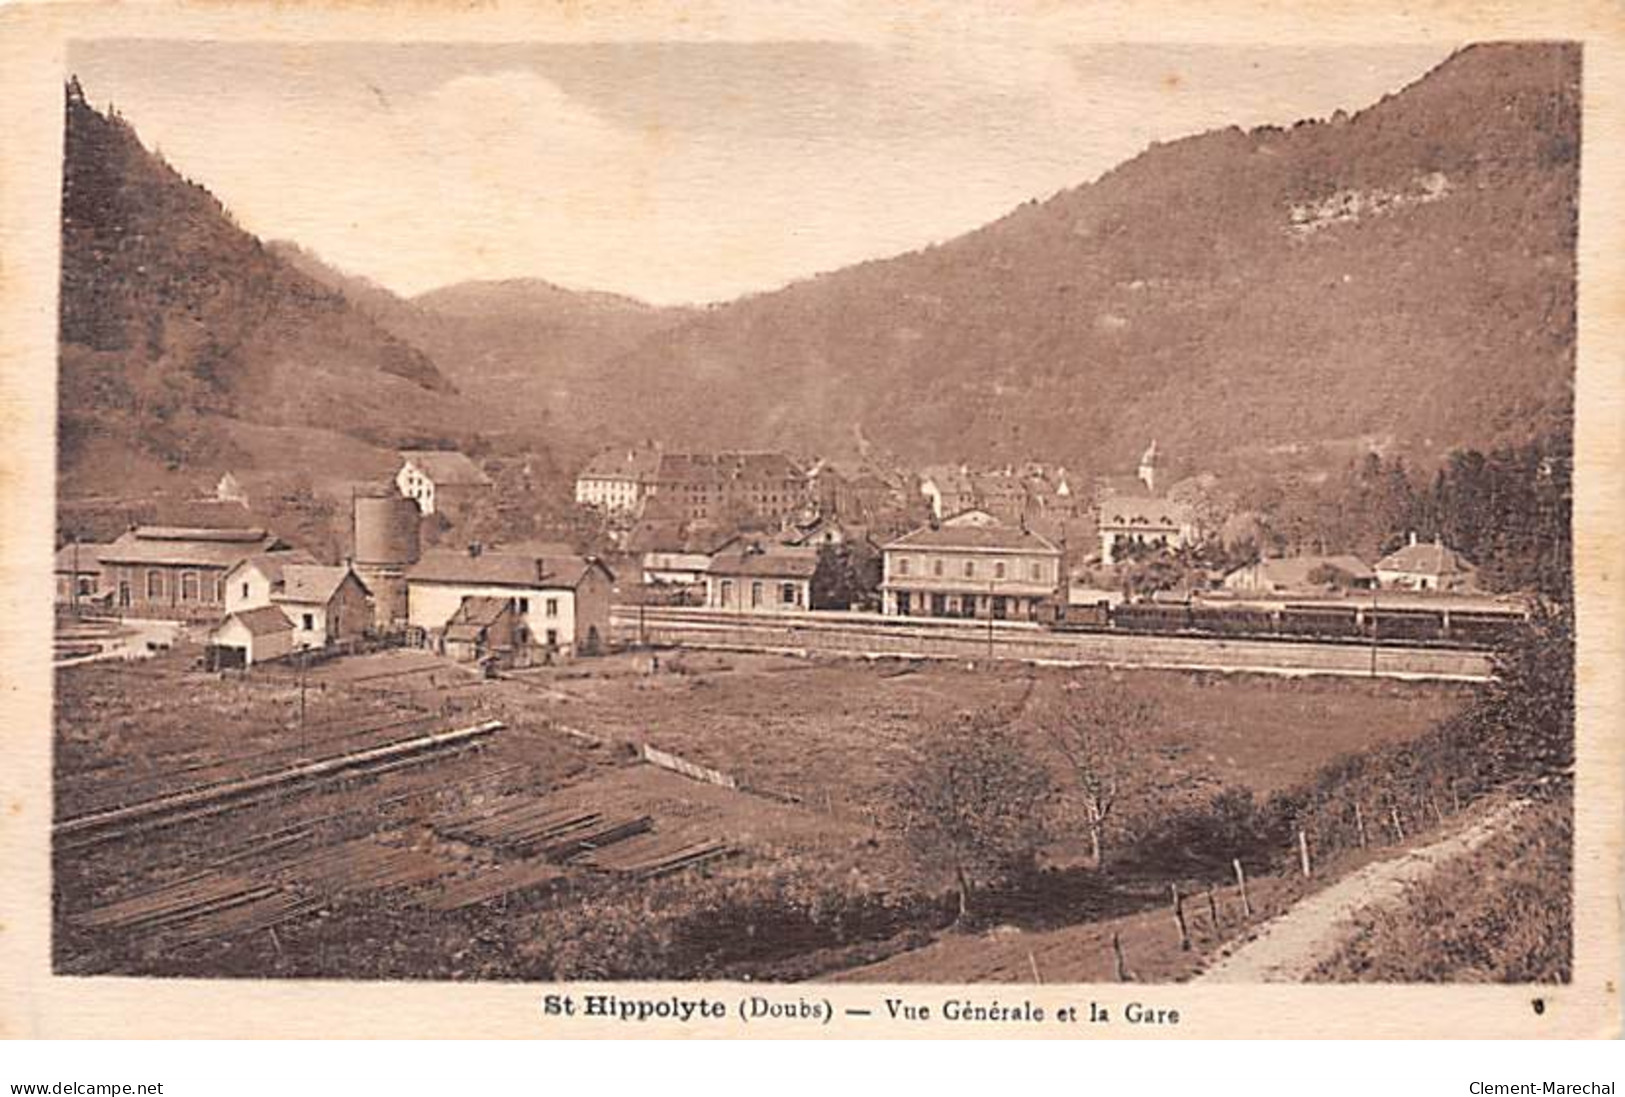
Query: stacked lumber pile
pixel 653 855
pixel 209 905
pixel 363 864
pixel 556 834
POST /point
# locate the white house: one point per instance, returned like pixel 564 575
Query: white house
pixel 1425 567
pixel 562 602
pixel 440 481
pixel 250 636
pixel 617 480
pixel 251 582
pixel 1145 520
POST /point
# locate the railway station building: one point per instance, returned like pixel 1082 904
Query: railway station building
pixel 970 566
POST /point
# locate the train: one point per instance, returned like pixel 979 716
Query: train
pixel 1478 625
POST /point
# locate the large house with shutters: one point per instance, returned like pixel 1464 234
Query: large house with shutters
pixel 972 565
pixel 560 603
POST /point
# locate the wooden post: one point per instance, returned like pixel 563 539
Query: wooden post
pixel 1241 885
pixel 1213 909
pixel 1117 953
pixel 1359 823
pixel 1399 827
pixel 1303 852
pixel 1179 919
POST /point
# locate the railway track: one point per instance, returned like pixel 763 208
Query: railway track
pixel 872 636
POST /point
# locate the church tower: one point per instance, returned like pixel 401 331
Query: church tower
pixel 1148 468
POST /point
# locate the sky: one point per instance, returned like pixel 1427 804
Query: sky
pixel 680 172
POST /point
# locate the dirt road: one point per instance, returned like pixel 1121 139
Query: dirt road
pixel 1287 949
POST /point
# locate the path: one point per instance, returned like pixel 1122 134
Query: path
pixel 1288 948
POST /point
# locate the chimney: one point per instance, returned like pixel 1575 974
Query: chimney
pixel 541 569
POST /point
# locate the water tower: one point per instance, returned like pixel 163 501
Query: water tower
pixel 386 544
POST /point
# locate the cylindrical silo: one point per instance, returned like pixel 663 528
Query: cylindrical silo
pixel 386 543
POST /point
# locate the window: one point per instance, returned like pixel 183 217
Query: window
pixel 756 593
pixel 998 569
pixel 155 584
pixel 189 586
pixel 220 589
pixel 86 586
pixel 309 621
pixel 787 594
pixel 552 607
pixel 902 565
pixel 552 637
pixel 936 566
pixel 524 604
pixel 970 569
pixel 727 591
pixel 245 590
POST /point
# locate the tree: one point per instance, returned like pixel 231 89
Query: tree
pixel 848 574
pixel 1524 721
pixel 975 800
pixel 1100 732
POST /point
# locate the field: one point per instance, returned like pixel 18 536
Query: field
pixel 417 871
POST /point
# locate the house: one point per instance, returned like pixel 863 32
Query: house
pixel 725 487
pixel 616 480
pixel 483 627
pixel 561 603
pixel 249 636
pixel 761 578
pixel 827 530
pixel 252 580
pixel 970 566
pixel 228 489
pixel 325 604
pixel 1425 566
pixel 1301 575
pixel 672 554
pixel 177 571
pixel 1142 520
pixel 441 481
pixel 79 573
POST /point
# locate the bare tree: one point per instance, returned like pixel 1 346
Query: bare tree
pixel 975 798
pixel 1101 733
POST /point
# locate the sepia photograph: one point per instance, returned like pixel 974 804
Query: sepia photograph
pixel 999 511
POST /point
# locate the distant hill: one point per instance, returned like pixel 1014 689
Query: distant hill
pixel 530 353
pixel 185 343
pixel 1403 277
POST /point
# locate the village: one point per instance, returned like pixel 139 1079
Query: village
pixel 750 533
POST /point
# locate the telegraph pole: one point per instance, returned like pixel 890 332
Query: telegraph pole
pixel 1373 629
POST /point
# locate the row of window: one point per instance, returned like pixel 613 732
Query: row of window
pixel 968 569
pixel 550 608
pixel 789 593
pixel 190 588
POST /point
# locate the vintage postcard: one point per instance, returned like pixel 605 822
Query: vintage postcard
pixel 1068 520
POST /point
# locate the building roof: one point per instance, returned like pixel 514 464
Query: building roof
pixel 270 564
pixel 1142 511
pixel 975 539
pixel 187 547
pixel 772 562
pixel 1425 559
pixel 260 621
pixel 446 466
pixel 310 584
pixel 634 464
pixel 474 615
pixel 720 468
pixel 1295 571
pixel 504 569
pixel 88 557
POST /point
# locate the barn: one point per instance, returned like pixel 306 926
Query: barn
pixel 249 636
